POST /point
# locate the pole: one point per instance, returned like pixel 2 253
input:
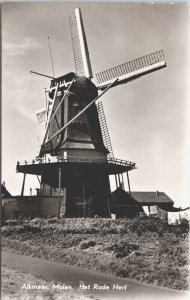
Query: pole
pixel 42 75
pixel 116 181
pixel 41 184
pixel 84 197
pixel 51 56
pixel 41 193
pixel 38 179
pixel 30 204
pixel 59 208
pixel 109 196
pixel 23 184
pixel 49 120
pixel 80 113
pixel 47 105
pixel 128 184
pixel 122 181
pixel 61 101
pixel 109 211
pixel 50 114
pixel 119 180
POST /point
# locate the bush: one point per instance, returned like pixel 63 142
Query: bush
pixel 87 244
pixel 122 249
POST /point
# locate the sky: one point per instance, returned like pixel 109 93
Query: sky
pixel 147 118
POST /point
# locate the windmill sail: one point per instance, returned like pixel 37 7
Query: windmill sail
pixel 80 48
pixel 132 69
pixel 104 129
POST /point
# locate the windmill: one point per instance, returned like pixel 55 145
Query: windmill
pixel 76 135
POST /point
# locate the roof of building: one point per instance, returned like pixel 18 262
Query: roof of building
pixel 4 192
pixel 122 197
pixel 151 197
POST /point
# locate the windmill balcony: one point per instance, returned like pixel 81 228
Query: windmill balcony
pixel 110 165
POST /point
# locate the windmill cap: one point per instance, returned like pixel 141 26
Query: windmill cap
pixel 82 85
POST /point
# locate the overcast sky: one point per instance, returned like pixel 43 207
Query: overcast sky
pixel 147 118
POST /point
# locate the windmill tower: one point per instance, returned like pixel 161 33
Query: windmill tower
pixel 76 137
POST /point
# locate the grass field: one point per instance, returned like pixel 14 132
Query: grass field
pixel 145 249
pixel 12 280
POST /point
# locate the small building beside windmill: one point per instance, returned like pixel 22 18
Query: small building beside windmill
pixel 7 202
pixel 124 204
pixel 4 192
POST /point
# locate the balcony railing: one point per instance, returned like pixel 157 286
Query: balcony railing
pixel 88 160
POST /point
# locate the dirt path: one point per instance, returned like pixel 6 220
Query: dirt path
pixel 114 287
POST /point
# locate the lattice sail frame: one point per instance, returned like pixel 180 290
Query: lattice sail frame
pixel 80 48
pixel 132 69
pixel 104 129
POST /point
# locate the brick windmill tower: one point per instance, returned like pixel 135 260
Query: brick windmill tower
pixel 76 156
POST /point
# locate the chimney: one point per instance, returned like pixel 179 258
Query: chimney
pixel 4 183
pixel 157 193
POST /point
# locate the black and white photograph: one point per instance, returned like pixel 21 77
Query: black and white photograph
pixel 95 142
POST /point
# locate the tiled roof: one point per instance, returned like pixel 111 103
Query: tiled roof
pixel 151 197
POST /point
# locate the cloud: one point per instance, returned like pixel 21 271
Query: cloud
pixel 15 48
